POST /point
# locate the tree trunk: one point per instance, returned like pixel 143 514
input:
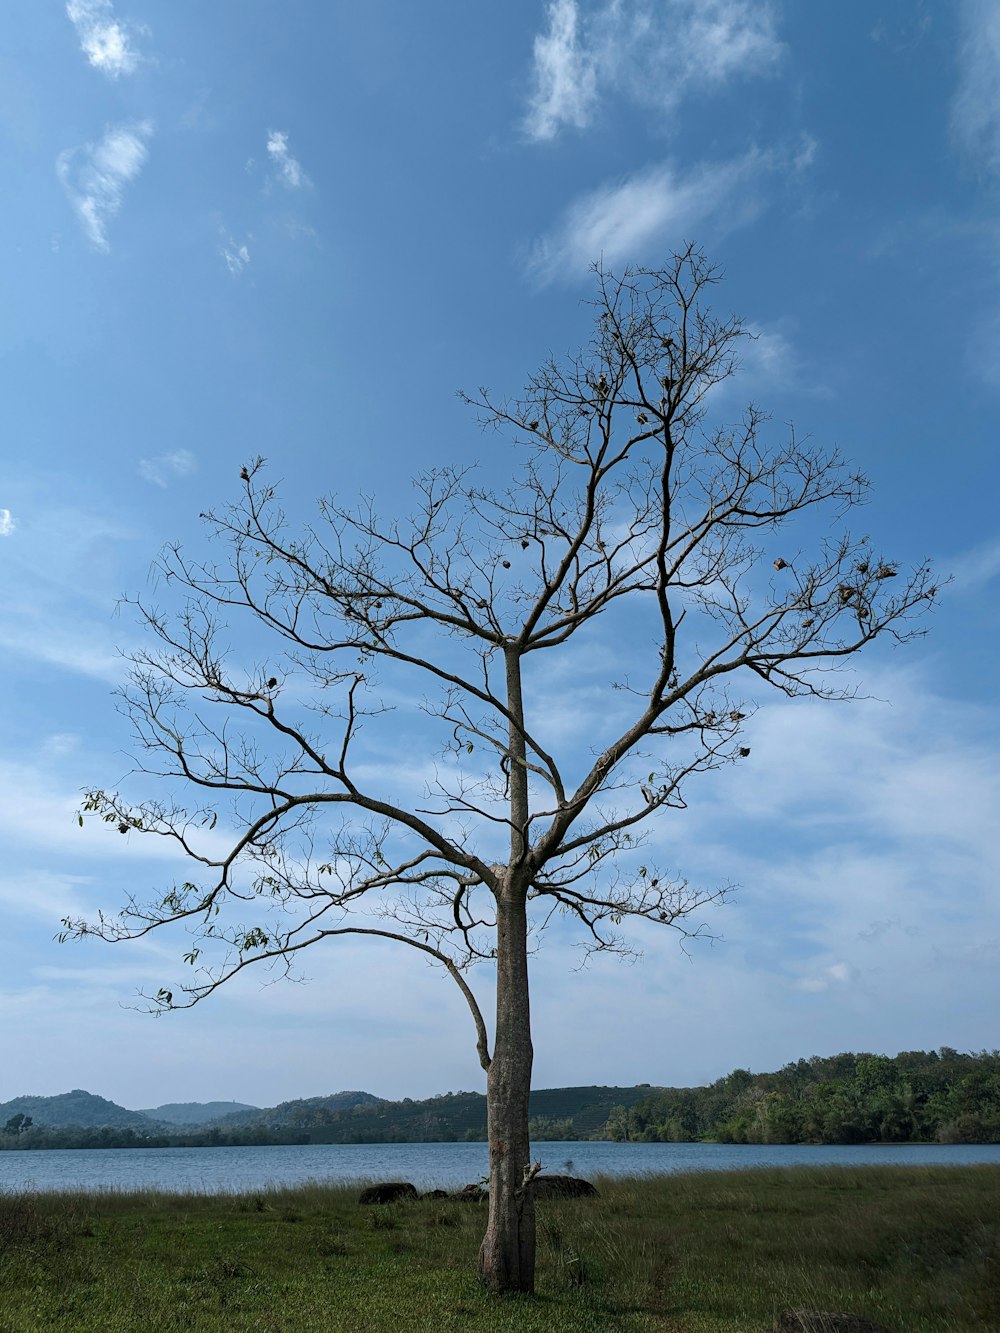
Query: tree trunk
pixel 507 1255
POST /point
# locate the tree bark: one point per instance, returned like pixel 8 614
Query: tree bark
pixel 507 1255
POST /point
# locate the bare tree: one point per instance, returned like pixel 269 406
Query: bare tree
pixel 629 509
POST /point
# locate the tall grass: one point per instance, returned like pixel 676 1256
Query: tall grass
pixel 917 1250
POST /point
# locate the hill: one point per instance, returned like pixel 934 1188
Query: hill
pixel 942 1096
pixel 79 1119
pixel 73 1108
pixel 302 1113
pixel 358 1117
pixel 195 1113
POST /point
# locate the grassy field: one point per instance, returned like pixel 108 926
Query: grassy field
pixel 917 1250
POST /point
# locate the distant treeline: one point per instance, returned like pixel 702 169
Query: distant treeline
pixel 116 1136
pixel 915 1097
pixel 557 1113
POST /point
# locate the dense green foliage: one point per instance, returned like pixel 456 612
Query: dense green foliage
pixel 356 1117
pixel 915 1097
pixel 194 1113
pixel 360 1118
pixel 73 1108
pixel 909 1248
pixel 303 1113
pixel 110 1136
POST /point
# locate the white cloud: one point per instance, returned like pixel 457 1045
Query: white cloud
pixel 164 467
pixel 287 169
pixel 868 852
pixel 868 921
pixel 972 570
pixel 719 39
pixel 565 75
pixel 80 648
pixel 805 154
pixel 654 210
pixel 60 743
pixel 47 612
pixel 236 254
pixel 975 126
pixel 655 207
pixel 44 895
pixel 650 51
pixel 834 973
pixel 94 177
pixel 104 41
pixel 902 33
pixel 905 772
pixel 297 230
pixel 7 524
pixel 769 359
pixel 769 355
pixel 976 106
pixel 39 820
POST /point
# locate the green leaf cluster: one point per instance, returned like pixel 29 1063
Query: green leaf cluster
pixel 939 1096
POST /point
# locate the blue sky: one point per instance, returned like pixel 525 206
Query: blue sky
pixel 296 230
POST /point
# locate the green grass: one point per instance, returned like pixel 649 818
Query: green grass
pixel 915 1249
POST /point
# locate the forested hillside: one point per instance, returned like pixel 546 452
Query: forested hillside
pixel 303 1113
pixel 73 1108
pixel 915 1097
pixel 347 1117
pixel 194 1113
pixel 557 1113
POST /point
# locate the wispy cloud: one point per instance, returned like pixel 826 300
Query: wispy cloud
pixel 236 254
pixel 60 743
pixel 972 570
pixel 868 852
pixel 278 169
pixel 7 524
pixel 770 359
pixel 834 974
pixel 976 105
pixel 565 75
pixel 719 39
pixel 47 612
pixel 79 649
pixel 287 169
pixel 650 51
pixel 40 814
pixel 164 468
pixel 624 220
pixel 769 355
pixel 918 766
pixel 94 176
pixel 103 39
pixel 903 32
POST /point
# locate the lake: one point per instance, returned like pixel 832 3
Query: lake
pixel 427 1165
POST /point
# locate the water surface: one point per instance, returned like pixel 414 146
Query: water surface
pixel 427 1165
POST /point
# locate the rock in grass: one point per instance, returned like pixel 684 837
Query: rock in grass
pixel 824 1321
pixel 435 1194
pixel 388 1191
pixel 562 1187
pixel 471 1194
